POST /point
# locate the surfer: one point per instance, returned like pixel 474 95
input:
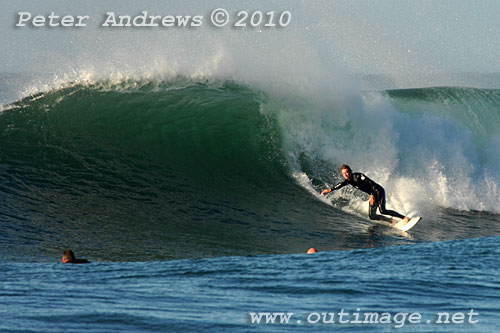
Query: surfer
pixel 376 192
pixel 69 258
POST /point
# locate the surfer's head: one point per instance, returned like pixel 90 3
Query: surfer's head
pixel 346 171
pixel 68 256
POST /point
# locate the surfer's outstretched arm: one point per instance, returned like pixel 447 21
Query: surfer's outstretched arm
pixel 336 187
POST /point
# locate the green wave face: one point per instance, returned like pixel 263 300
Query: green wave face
pixel 181 168
pixel 475 109
pixel 212 133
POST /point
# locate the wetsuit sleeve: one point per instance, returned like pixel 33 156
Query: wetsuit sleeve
pixel 340 185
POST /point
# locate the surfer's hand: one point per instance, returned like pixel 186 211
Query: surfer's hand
pixel 372 199
pixel 326 191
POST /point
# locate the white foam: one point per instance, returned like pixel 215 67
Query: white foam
pixel 422 161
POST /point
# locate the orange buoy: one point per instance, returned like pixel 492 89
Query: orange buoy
pixel 311 250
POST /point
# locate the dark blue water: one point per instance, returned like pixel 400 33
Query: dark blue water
pixel 456 278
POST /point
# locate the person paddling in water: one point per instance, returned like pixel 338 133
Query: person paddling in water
pixel 376 192
pixel 69 258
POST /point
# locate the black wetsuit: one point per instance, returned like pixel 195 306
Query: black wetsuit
pixel 77 261
pixel 365 184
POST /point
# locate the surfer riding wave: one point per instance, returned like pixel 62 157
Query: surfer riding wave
pixel 376 192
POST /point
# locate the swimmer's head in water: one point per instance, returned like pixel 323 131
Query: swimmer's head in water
pixel 68 256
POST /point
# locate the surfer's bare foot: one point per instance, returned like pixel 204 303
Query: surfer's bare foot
pixel 406 219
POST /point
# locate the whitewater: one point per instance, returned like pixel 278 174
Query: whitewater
pixel 188 167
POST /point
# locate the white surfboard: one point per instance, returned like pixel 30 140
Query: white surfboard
pixel 405 227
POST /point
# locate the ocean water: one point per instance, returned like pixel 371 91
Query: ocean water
pixel 196 199
pixel 450 286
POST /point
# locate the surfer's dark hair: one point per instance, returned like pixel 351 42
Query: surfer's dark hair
pixel 69 255
pixel 345 166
